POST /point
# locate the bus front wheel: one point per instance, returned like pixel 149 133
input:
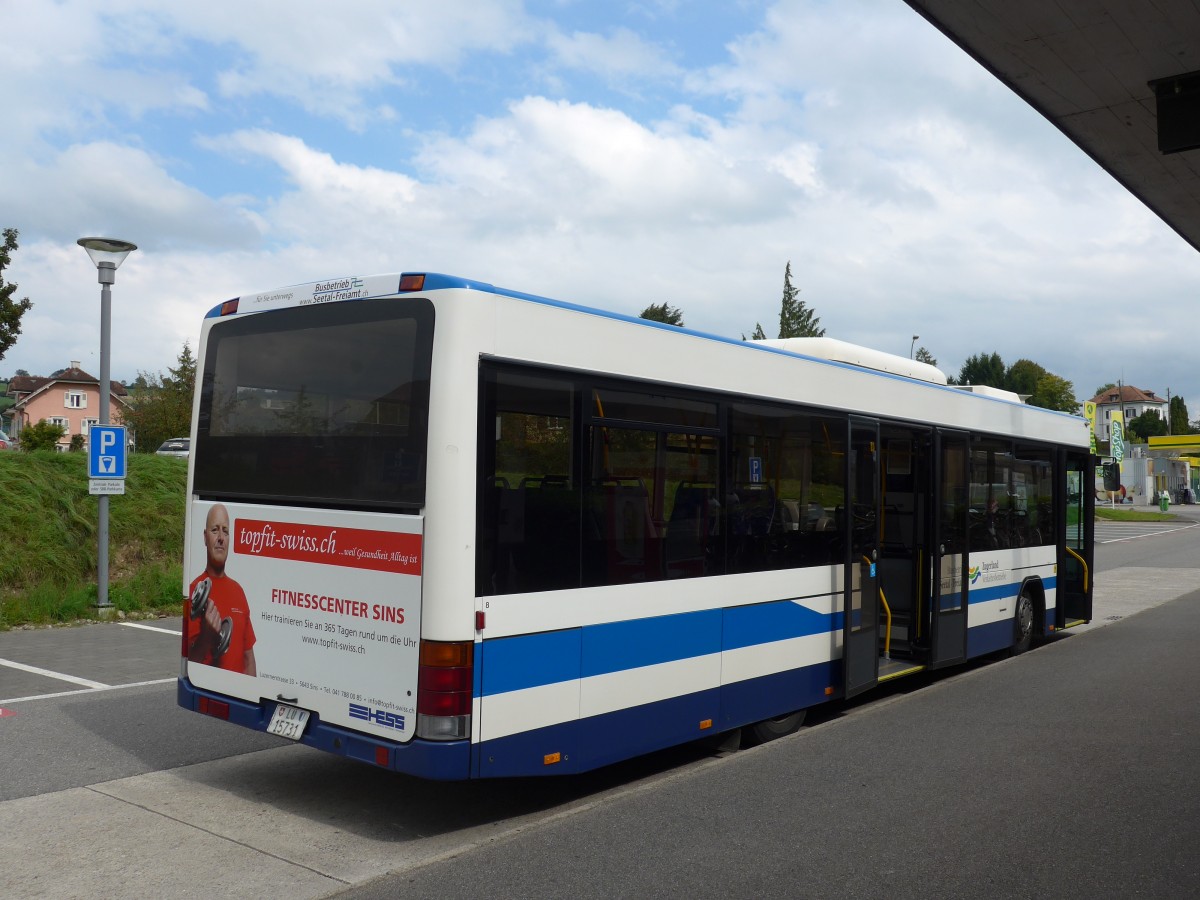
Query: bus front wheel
pixel 1023 624
pixel 770 729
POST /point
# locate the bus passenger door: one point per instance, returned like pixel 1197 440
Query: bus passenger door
pixel 860 635
pixel 1076 512
pixel 949 550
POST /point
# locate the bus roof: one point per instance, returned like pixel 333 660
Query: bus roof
pixel 367 287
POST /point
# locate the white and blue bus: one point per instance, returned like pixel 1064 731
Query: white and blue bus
pixel 464 532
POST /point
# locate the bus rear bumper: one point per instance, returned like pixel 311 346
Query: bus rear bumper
pixel 436 760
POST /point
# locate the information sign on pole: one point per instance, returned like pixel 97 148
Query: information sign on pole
pixel 106 459
pixel 106 451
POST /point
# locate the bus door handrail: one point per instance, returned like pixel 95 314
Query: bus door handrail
pixel 1082 562
pixel 887 635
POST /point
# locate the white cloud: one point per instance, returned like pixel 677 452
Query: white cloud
pixel 621 55
pixel 105 187
pixel 325 56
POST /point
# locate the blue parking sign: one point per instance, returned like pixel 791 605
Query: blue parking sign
pixel 106 451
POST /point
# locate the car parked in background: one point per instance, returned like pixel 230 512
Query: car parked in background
pixel 175 447
pixel 5 442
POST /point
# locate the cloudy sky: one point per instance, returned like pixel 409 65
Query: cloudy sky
pixel 615 154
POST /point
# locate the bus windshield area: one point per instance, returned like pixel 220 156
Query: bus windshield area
pixel 322 404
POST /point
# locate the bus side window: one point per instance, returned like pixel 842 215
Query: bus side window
pixel 789 482
pixel 529 501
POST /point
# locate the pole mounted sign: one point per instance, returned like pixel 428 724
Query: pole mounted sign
pixel 106 459
pixel 1116 436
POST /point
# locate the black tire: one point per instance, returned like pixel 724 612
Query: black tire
pixel 1023 623
pixel 770 729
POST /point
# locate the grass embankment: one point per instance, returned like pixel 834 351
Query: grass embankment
pixel 48 543
pixel 1132 515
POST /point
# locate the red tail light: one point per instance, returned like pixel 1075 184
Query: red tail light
pixel 444 685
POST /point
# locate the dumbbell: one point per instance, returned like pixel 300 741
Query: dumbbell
pixel 200 607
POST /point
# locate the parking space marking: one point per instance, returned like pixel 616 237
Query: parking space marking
pixel 95 690
pixel 1130 531
pixel 47 673
pixel 151 628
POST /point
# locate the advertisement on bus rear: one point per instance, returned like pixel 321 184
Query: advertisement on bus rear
pixel 317 609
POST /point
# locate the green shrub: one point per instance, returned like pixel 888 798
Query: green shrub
pixel 41 436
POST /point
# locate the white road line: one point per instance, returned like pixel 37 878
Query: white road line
pixel 150 628
pixel 1147 534
pixel 59 675
pixel 107 687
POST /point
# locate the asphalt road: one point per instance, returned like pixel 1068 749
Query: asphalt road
pixel 1067 772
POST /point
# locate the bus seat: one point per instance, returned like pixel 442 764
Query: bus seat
pixel 547 555
pixel 693 519
pixel 754 511
pixel 626 538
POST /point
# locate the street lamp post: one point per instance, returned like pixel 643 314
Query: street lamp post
pixel 106 254
pixel 916 337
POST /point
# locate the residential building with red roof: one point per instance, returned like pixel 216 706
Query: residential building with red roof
pixel 1130 400
pixel 71 398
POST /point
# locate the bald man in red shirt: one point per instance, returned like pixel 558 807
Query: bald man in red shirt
pixel 226 600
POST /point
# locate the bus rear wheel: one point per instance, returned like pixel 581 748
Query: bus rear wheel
pixel 1023 624
pixel 770 729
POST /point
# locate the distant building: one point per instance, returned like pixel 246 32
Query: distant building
pixel 1128 399
pixel 70 399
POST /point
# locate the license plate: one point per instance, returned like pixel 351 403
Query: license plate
pixel 288 721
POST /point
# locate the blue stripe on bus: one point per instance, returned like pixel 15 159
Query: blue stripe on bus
pixel 530 660
pixel 618 646
pixel 748 626
pixel 1010 589
pixel 533 660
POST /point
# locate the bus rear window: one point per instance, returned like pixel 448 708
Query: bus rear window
pixel 319 404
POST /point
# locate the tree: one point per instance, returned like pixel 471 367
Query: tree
pixel 1104 389
pixel 41 436
pixel 663 312
pixel 1148 424
pixel 162 408
pixel 925 356
pixel 982 368
pixel 11 310
pixel 759 334
pixel 795 318
pixel 1023 376
pixel 1054 392
pixel 1178 413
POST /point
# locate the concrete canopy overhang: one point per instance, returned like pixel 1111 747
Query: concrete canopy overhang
pixel 1089 66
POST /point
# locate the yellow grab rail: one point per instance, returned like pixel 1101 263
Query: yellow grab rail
pixel 1083 563
pixel 887 636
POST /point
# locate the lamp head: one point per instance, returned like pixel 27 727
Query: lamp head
pixel 106 254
